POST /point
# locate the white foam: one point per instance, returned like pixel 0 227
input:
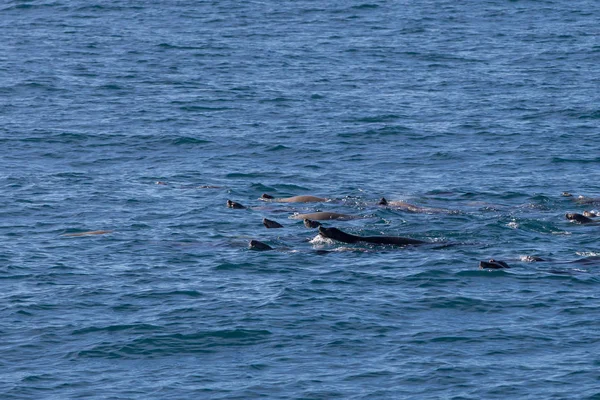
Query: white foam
pixel 588 253
pixel 321 240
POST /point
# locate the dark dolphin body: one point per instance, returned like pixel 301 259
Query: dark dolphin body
pixel 336 234
pixel 233 204
pixel 309 223
pixel 582 199
pixel 259 246
pixel 493 264
pixel 268 223
pixel 578 218
pixel 497 264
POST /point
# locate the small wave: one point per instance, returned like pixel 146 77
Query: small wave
pixel 278 148
pixel 560 160
pixel 492 273
pixel 344 249
pixel 377 118
pixel 430 274
pixel 204 108
pixel 588 253
pixel 277 100
pixel 165 294
pixel 366 6
pixel 116 328
pixel 233 266
pixel 240 175
pixel 283 189
pixel 63 138
pixel 28 6
pixel 183 140
pixel 457 302
pixel 108 7
pixel 157 346
pixel 169 46
pixel 591 115
pixel 385 131
pixel 111 86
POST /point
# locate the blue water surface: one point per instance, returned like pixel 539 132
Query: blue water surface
pixel 141 119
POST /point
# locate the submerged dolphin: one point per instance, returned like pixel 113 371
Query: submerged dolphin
pixel 323 215
pixel 293 199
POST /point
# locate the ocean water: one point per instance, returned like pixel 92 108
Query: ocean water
pixel 144 118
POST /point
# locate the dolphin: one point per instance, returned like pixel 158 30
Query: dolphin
pixel 268 223
pixel 336 234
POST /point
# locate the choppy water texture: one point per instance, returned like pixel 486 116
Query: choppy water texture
pixel 481 112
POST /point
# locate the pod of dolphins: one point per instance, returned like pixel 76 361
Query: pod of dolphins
pixel 311 221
